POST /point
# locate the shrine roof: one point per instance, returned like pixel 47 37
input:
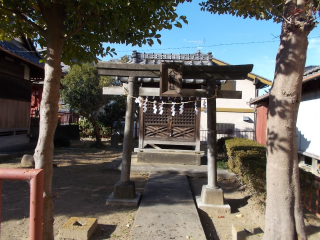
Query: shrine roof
pixel 196 59
pixel 15 48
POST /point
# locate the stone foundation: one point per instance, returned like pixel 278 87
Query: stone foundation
pixel 78 228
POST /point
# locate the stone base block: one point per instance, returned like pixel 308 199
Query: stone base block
pixel 170 157
pixel 78 228
pixel 212 196
pixel 246 232
pixel 124 190
pixel 27 161
pixel 211 209
pixel 124 202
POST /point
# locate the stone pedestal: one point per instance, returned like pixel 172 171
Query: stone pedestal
pixel 212 201
pixel 169 156
pixel 124 193
pixel 124 190
pixel 246 231
pixel 78 228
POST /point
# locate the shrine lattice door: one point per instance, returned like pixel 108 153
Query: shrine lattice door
pixel 180 129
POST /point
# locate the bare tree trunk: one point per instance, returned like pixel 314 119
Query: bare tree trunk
pixel 49 111
pixel 284 216
pixel 96 130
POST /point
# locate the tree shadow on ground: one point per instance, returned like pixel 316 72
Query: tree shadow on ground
pixel 235 204
pixel 103 231
pixel 208 226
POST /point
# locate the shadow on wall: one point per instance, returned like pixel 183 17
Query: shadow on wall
pixel 303 143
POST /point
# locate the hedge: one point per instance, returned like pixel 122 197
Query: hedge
pixel 247 159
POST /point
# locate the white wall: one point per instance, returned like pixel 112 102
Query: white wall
pixel 248 91
pixel 236 118
pixel 308 125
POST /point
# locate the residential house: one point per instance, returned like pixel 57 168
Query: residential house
pixel 308 128
pixel 235 117
pixel 19 66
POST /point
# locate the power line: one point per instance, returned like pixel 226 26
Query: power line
pixel 176 48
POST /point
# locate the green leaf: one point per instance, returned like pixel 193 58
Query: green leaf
pixel 159 41
pixel 178 24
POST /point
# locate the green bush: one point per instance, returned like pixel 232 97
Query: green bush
pixel 237 144
pixel 105 132
pixel 61 141
pixel 248 160
pixel 86 129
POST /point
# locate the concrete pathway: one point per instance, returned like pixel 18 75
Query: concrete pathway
pixel 167 210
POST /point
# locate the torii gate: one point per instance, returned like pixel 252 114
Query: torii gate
pixel 124 190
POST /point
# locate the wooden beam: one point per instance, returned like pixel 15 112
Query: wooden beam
pixel 230 94
pixel 129 73
pixel 202 93
pixel 227 72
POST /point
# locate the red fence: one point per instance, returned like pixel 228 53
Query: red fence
pixel 311 198
pixel 35 176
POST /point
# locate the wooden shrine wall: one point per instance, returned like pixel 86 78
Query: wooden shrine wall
pixel 180 129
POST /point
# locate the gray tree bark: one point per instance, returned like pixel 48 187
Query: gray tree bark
pixel 284 216
pixel 49 107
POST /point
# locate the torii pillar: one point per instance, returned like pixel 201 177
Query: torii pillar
pixel 124 191
pixel 212 200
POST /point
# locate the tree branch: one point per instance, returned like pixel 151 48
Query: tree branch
pixel 318 7
pixel 278 12
pixel 311 5
pixel 78 28
pixel 21 16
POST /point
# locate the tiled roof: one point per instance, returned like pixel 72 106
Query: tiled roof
pixel 260 98
pixel 17 49
pixel 187 59
pixel 311 72
pixel 196 59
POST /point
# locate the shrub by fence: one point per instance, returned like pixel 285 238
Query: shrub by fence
pixel 248 160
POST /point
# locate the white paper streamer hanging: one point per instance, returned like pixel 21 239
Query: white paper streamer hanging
pixel 205 106
pixel 181 108
pixel 161 108
pixel 155 107
pixel 195 107
pixel 145 105
pixel 138 100
pixel 173 109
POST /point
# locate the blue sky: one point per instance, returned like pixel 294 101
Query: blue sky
pixel 229 38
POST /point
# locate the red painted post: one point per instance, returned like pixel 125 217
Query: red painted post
pixel 36 177
pixel 0 204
